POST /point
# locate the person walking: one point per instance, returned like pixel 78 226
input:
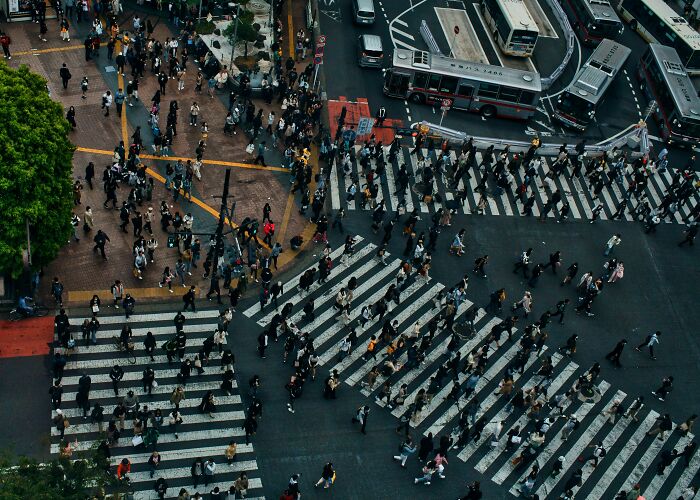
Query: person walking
pixel 407 449
pixel 650 341
pixel 614 355
pixel 665 389
pixel 107 101
pixel 662 425
pixel 327 476
pixel 188 299
pixel 65 75
pixel 614 241
pixel 361 417
pixel 598 453
pixel 261 154
pixel 5 41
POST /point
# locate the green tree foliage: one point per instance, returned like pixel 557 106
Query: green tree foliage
pixel 246 31
pixel 35 170
pixel 60 479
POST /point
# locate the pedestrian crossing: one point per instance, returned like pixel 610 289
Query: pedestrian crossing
pixel 632 456
pixel 198 436
pixel 464 196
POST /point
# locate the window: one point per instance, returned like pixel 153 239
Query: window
pixel 420 80
pixel 448 85
pixel 434 82
pixel 508 94
pixel 527 97
pixel 489 90
pixel 465 90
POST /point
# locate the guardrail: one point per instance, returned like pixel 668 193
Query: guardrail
pixel 570 41
pixel 429 39
pixel 635 133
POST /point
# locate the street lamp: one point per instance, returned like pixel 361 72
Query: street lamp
pixel 235 35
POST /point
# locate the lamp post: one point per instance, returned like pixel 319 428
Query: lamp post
pixel 235 35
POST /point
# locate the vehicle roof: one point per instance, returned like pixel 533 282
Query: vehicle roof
pixel 519 15
pixel 596 75
pixel 677 22
pixel 421 61
pixel 601 9
pixel 365 4
pixel 372 42
pixel 681 87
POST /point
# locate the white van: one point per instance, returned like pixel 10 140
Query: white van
pixel 363 11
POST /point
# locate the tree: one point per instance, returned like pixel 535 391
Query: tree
pixel 246 31
pixel 35 171
pixel 59 479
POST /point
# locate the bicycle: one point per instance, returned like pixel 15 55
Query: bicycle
pixel 39 311
pixel 129 349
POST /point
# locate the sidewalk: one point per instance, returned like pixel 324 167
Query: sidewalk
pixel 251 186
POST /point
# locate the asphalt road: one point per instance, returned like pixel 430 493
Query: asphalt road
pixel 624 104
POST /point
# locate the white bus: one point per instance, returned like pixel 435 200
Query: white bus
pixel 512 26
pixel 656 22
pixel 491 91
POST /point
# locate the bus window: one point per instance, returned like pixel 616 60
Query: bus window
pixel 465 90
pixel 508 94
pixel 420 80
pixel 489 90
pixel 573 105
pixel 526 97
pixel 434 82
pixel 524 37
pixel 448 85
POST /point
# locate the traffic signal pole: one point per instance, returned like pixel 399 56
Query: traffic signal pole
pixel 218 248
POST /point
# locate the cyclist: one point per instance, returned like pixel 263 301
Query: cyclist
pixel 25 306
pixel 125 337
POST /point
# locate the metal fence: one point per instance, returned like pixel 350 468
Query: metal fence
pixel 429 39
pixel 570 41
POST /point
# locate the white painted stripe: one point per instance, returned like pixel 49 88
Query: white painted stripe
pixel 147 318
pixel 464 350
pixel 329 333
pixel 161 389
pixel 433 356
pixel 164 438
pixel 403 45
pixel 491 455
pixel 491 374
pixel 389 173
pixel 139 334
pixel 322 319
pixel 413 170
pixel 401 317
pixel 335 187
pixel 399 21
pixel 581 196
pixel 336 270
pixel 650 454
pixel 361 372
pixel 585 440
pixel 653 489
pixel 608 442
pixel 215 452
pixel 88 364
pixel 224 416
pixel 253 483
pixel 132 376
pixel 176 473
pixel 292 283
pixel 686 478
pixel 402 33
pixel 184 404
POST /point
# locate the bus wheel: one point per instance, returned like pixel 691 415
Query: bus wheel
pixel 417 98
pixel 487 111
pixel 634 24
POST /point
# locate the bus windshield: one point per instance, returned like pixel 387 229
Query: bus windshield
pixel 575 107
pixel 524 37
pixel 605 28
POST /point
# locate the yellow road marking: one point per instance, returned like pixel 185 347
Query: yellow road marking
pixel 169 158
pixel 36 52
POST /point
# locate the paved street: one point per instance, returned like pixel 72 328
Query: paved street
pixel 576 191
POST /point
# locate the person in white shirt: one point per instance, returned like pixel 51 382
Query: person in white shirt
pixel 107 101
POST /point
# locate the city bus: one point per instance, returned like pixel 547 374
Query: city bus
pixel 593 19
pixel 512 26
pixel 657 22
pixel 577 104
pixel 491 91
pixel 663 78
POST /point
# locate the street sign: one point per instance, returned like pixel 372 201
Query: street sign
pixel 320 45
pixel 364 126
pixel 318 60
pixel 445 104
pixel 321 40
pixel 456 30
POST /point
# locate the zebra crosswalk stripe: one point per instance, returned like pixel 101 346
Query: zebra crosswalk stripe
pixel 653 488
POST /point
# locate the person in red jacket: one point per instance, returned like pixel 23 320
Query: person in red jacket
pixel 269 230
pixel 123 469
pixel 5 41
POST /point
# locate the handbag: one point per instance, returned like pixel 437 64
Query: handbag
pixel 154 384
pixel 95 308
pixel 137 440
pixel 249 148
